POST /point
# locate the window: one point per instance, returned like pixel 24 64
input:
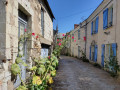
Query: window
pixel 107 51
pixel 94 26
pixel 110 50
pixel 42 21
pixel 108 17
pixel 78 34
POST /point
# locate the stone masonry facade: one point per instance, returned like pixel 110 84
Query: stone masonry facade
pixel 9 16
pixel 97 35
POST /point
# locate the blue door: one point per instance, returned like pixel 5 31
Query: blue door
pixel 103 55
pixel 23 48
pixel 44 52
pixel 95 55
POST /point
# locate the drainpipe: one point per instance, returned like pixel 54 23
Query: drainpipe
pixel 85 35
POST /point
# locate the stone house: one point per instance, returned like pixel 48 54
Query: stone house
pixel 16 16
pixel 101 30
pixel 78 42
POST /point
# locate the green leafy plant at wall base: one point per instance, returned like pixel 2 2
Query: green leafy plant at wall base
pixel 112 65
pixel 43 70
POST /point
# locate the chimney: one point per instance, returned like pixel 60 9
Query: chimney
pixel 76 25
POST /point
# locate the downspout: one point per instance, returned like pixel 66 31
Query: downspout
pixel 116 21
pixel 85 35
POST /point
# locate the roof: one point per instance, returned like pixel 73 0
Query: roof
pixel 48 6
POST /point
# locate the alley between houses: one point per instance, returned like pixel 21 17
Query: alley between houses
pixel 74 74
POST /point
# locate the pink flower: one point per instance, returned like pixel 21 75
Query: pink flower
pixel 72 37
pixel 57 39
pixel 36 37
pixel 48 57
pixel 33 34
pixel 84 38
pixel 74 40
pixel 63 34
pixel 59 44
pixel 25 30
pixel 68 35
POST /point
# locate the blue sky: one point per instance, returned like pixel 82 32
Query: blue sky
pixel 70 12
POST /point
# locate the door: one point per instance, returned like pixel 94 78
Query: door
pixel 22 47
pixel 44 52
pixel 92 52
pixel 78 51
pixel 73 51
pixel 96 50
pixel 103 55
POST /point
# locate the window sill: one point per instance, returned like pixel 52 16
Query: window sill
pixel 108 27
pixel 94 33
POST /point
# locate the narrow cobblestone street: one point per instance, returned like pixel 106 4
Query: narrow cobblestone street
pixel 73 74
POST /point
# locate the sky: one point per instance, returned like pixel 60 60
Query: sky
pixel 70 12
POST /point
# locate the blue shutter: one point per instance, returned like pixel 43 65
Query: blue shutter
pixel 91 28
pixel 97 24
pixel 90 53
pixel 114 47
pixel 96 50
pixel 105 19
pixel 102 56
pixel 111 15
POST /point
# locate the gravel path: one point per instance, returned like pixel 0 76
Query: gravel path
pixel 73 74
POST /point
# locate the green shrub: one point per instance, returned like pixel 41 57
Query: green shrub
pixel 84 58
pixel 97 65
pixel 112 65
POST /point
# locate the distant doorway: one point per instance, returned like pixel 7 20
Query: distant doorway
pixel 78 51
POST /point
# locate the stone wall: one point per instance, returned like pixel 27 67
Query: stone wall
pixel 9 33
pixel 79 42
pixel 101 38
